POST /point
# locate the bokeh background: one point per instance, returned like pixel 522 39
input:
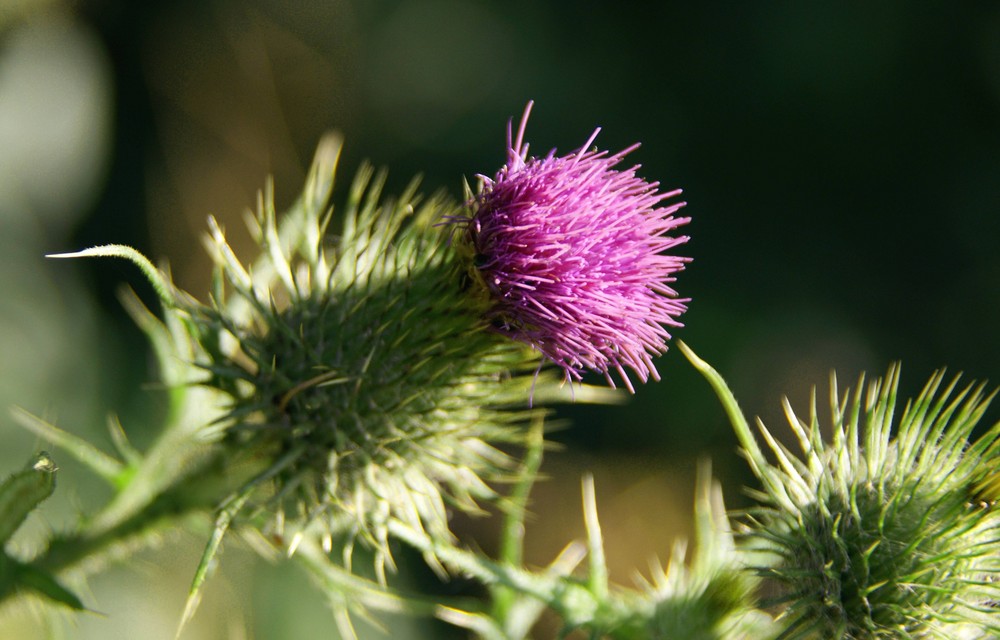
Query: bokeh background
pixel 841 161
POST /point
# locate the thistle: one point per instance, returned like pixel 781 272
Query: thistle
pixel 713 597
pixel 568 252
pixel 355 369
pixel 880 535
pixel 361 366
pixel 349 386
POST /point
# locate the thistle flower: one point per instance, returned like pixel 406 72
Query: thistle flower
pixel 569 252
pixel 878 535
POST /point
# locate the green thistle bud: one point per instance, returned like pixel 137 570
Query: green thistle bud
pixel 358 364
pixel 874 535
pixel 712 598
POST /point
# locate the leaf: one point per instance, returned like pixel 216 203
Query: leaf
pixel 161 284
pixel 90 456
pixel 222 522
pixel 23 491
pixel 46 585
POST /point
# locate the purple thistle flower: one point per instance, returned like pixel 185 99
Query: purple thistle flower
pixel 571 251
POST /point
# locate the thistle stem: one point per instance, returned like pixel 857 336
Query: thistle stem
pixel 569 598
pixel 476 566
pixel 88 552
pixel 598 577
pixel 512 534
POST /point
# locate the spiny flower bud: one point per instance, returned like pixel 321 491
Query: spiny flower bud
pixel 569 252
pixel 709 597
pixel 356 361
pixel 875 535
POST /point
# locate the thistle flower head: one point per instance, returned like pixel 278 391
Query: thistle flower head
pixel 881 536
pixel 570 252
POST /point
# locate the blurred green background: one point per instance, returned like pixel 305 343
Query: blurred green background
pixel 841 162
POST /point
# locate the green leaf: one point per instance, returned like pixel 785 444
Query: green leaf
pixel 46 585
pixel 23 491
pixel 222 522
pixel 93 458
pixel 743 432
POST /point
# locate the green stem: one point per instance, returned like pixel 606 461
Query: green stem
pixel 466 562
pixel 565 595
pixel 197 493
pixel 512 534
pixel 597 579
pixel 348 586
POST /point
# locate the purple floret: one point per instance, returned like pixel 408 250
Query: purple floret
pixel 571 250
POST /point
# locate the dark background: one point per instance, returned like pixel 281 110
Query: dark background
pixel 841 161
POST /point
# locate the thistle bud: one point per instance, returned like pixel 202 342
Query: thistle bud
pixel 874 535
pixel 356 362
pixel 709 596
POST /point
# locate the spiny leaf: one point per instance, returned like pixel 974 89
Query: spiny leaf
pixel 23 491
pixel 46 585
pixel 222 523
pixel 90 456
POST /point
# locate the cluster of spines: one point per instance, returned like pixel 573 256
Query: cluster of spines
pixel 355 359
pixel 874 535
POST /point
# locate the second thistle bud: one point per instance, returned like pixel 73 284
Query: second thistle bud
pixel 875 536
